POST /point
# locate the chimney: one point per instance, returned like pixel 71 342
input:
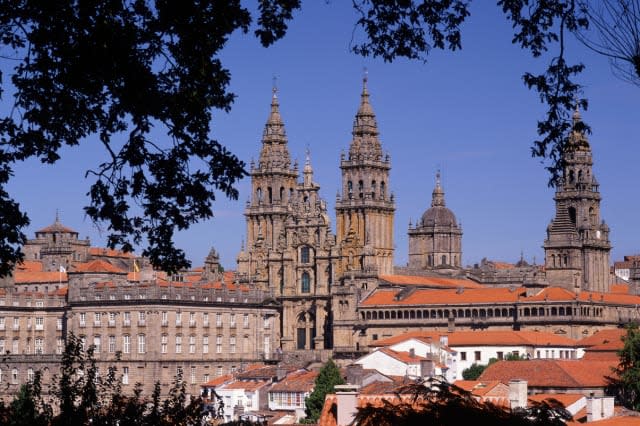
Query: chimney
pixel 355 374
pixel 281 373
pixel 347 400
pixel 594 409
pixel 607 407
pixel 412 352
pixel 518 394
pixel 444 340
pixel 427 368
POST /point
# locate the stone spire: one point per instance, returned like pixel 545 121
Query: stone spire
pixel 437 197
pixel 274 153
pixel 577 138
pixel 365 144
pixel 308 170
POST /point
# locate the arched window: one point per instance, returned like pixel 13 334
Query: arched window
pixel 571 176
pixel 572 214
pixel 259 194
pixel 350 189
pixel 360 189
pixel 373 189
pixel 281 193
pixel 304 254
pixel 305 286
pixel 270 195
pixel 444 260
pixel 382 190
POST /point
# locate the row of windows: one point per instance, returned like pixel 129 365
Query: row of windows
pixel 163 296
pixel 259 195
pixel 186 343
pixel 141 317
pixel 477 313
pixel 37 323
pixel 546 353
pixel 29 346
pixel 287 399
pixel 373 187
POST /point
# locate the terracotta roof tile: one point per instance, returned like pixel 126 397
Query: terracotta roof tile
pixel 551 373
pixel 218 381
pixel 607 338
pixel 25 277
pixel 566 399
pixel 435 282
pixel 56 227
pixel 106 252
pixel 484 337
pixel 402 356
pixel 301 381
pixel 29 266
pixel 382 297
pixel 97 266
pixel 248 385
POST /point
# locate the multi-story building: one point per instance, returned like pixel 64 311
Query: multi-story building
pixel 302 290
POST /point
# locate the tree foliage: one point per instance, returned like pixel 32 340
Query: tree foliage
pixel 437 402
pixel 142 78
pixel 624 383
pixel 325 383
pixel 473 372
pixel 83 397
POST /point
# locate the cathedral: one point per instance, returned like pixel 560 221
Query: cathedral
pixel 304 289
pixel 341 291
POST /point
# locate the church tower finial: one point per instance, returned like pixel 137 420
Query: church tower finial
pixel 437 197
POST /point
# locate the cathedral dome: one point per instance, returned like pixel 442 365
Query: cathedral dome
pixel 438 216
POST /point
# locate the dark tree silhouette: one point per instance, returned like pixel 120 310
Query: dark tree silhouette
pixel 116 70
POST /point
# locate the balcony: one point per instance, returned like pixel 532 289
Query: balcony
pixel 164 323
pixel 40 327
pixel 142 323
pixel 112 323
pixel 192 324
pixel 126 323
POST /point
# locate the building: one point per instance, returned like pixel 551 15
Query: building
pixel 304 291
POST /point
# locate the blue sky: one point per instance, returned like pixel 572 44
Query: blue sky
pixel 467 113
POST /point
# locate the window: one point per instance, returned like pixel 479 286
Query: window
pixel 142 318
pixel 141 343
pixel 232 320
pixel 463 356
pixel 39 323
pixel 192 344
pixel 39 304
pixel 193 375
pixel 59 345
pixel 205 319
pixel 245 321
pixel 477 356
pixel 266 322
pixel 83 319
pixel 2 326
pixel 164 315
pixel 219 371
pixel 305 285
pixel 178 319
pixel 232 344
pixel 112 319
pixel 218 344
pixel 164 340
pixel 1 345
pixel 30 375
pixel 97 319
pixel 500 355
pixel 126 321
pixel 97 343
pixel 83 342
pixel 14 376
pixel 178 344
pixel 205 378
pixel 127 297
pixel 304 254
pixel 126 344
pixel 112 344
pixel 205 344
pixel 192 319
pixel 218 320
pixel 125 375
pixel 58 323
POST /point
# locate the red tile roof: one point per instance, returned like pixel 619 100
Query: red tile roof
pixel 29 266
pixel 56 227
pixel 247 385
pixel 106 252
pixel 484 337
pixel 24 277
pixel 608 338
pixel 551 373
pixel 434 282
pixel 97 266
pixel 301 381
pixel 405 357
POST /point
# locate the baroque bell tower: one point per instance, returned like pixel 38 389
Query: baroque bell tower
pixel 365 209
pixel 273 181
pixel 577 246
